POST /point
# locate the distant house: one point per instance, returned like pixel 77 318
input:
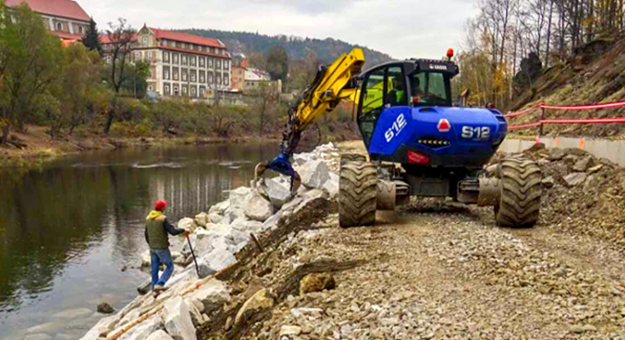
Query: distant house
pixel 249 78
pixel 63 18
pixel 181 64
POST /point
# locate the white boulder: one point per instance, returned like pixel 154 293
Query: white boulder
pixel 238 197
pixel 178 320
pixel 143 330
pixel 160 335
pixel 219 208
pixel 146 259
pixel 332 186
pixel 278 192
pixel 258 208
pixel 187 223
pixel 201 219
pixel 315 174
pixel 210 296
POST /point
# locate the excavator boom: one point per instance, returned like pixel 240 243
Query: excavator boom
pixel 331 84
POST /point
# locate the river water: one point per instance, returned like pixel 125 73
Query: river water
pixel 67 231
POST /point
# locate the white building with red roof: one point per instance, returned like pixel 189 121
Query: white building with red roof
pixel 63 18
pixel 181 64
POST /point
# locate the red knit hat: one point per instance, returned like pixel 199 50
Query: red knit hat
pixel 160 205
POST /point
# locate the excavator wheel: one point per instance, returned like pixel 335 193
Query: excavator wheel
pixel 357 194
pixel 521 189
pixel 352 157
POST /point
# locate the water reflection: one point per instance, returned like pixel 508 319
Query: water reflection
pixel 66 231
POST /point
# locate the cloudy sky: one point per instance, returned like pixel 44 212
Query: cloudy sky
pixel 401 28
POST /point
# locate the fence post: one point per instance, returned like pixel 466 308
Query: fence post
pixel 540 126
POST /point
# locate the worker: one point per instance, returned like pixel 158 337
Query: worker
pixel 156 229
pixel 398 93
pixel 417 92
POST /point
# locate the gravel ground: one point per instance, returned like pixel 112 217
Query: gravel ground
pixel 440 270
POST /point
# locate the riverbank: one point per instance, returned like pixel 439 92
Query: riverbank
pixel 37 147
pixel 434 270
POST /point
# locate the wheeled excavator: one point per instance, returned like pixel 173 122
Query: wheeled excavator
pixel 418 142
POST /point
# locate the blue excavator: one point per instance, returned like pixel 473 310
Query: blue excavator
pixel 418 142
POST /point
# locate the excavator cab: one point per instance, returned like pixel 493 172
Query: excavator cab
pixel 411 83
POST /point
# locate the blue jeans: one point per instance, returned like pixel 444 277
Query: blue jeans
pixel 158 257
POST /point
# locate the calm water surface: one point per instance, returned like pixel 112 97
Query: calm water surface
pixel 67 230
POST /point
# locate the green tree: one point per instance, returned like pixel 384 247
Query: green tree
pixel 277 63
pixel 31 62
pixel 78 90
pixel 91 40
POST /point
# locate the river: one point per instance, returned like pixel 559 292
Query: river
pixel 71 233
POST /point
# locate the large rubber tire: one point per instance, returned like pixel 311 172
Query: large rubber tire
pixel 357 194
pixel 352 157
pixel 521 188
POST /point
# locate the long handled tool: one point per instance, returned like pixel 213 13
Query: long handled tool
pixel 197 269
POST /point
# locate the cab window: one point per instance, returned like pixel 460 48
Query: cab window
pixel 396 88
pixel 430 89
pixel 371 103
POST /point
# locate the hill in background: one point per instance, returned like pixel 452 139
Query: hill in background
pixel 327 50
pixel 595 74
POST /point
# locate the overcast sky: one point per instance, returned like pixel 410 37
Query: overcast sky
pixel 401 28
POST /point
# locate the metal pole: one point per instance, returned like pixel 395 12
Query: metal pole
pixel 197 270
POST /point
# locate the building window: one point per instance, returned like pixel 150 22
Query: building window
pixel 175 58
pixel 218 80
pixel 193 77
pixel 193 91
pixel 202 91
pixel 184 76
pixel 184 60
pixel 166 74
pixel 226 64
pixel 80 29
pixel 202 61
pixel 59 26
pixel 218 62
pixel 210 62
pixel 150 88
pixel 166 89
pixel 226 79
pixel 171 43
pixel 166 56
pixel 176 90
pixel 210 78
pixel 109 59
pixel 184 90
pixel 145 41
pixel 192 61
pixel 184 46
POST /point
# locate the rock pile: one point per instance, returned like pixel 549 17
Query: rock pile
pixel 218 235
pixel 582 192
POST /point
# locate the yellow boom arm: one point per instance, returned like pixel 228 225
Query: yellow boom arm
pixel 331 85
pixel 329 88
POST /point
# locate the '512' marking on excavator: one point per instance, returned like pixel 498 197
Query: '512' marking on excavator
pixel 398 125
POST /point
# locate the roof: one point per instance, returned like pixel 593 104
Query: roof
pixel 104 38
pixel 66 35
pixel 187 38
pixel 60 8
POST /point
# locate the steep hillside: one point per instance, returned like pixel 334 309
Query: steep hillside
pixel 596 74
pixel 327 50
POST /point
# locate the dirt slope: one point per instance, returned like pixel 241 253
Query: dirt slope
pixel 596 74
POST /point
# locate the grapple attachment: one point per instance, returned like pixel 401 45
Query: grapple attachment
pixel 280 164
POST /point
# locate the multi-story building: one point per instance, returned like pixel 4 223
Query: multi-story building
pixel 181 64
pixel 63 18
